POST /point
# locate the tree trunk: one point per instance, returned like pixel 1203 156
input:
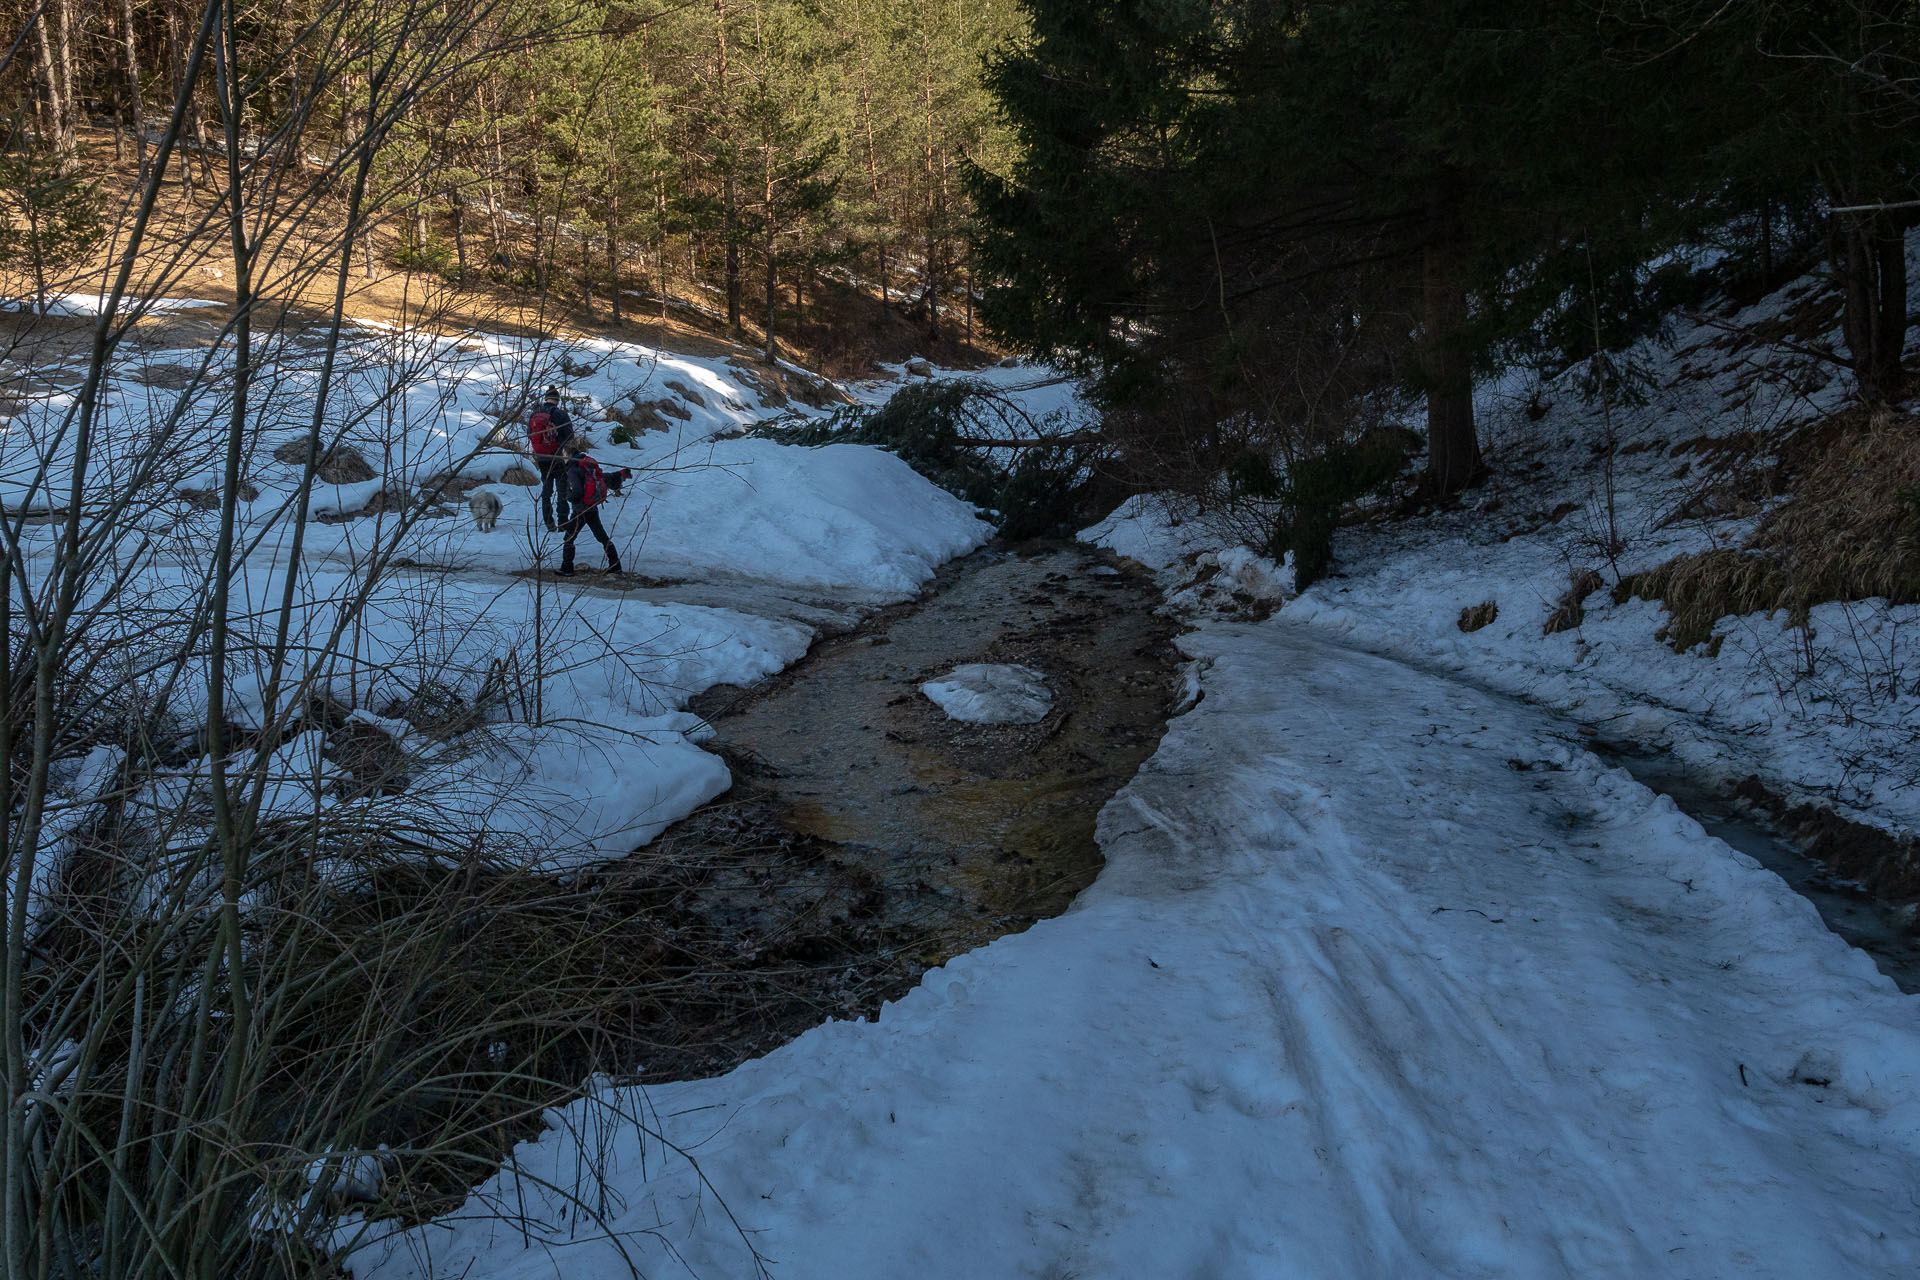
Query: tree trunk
pixel 64 32
pixel 496 211
pixel 613 240
pixel 1453 448
pixel 134 104
pixel 969 300
pixel 773 296
pixel 460 237
pixel 729 195
pixel 1869 257
pixel 586 271
pixel 933 290
pixel 184 164
pixel 54 125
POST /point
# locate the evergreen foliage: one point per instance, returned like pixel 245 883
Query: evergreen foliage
pixel 51 218
pixel 1253 221
pixel 625 147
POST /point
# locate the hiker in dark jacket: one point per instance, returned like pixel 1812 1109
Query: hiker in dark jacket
pixel 586 489
pixel 549 428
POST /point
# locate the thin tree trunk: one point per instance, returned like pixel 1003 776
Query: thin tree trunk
pixel 929 148
pixel 613 239
pixel 134 103
pixel 1766 244
pixel 1453 447
pixel 729 196
pixel 496 221
pixel 55 122
pixel 969 300
pixel 179 83
pixel 773 297
pixel 873 154
pixel 64 30
pixel 586 270
pixel 1869 256
pixel 460 237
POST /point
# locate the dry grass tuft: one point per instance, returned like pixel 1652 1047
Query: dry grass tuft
pixel 1476 616
pixel 1701 589
pixel 1571 609
pixel 1850 531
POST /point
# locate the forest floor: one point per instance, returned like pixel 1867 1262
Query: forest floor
pixel 843 330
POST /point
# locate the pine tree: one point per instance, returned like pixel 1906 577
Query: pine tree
pixel 1181 167
pixel 51 219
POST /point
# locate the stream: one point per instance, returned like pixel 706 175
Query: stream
pixel 1882 930
pixel 868 837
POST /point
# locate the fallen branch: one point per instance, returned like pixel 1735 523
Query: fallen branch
pixel 1039 443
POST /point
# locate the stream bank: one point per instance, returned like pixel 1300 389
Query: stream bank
pixel 1860 879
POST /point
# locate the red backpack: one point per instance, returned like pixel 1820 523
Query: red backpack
pixel 540 433
pixel 594 491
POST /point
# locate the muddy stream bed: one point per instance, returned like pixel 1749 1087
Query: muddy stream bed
pixel 867 836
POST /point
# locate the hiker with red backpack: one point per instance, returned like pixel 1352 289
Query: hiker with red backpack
pixel 549 429
pixel 586 489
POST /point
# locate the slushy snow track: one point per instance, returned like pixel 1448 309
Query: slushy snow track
pixel 1384 977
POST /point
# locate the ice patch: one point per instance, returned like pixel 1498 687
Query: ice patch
pixel 986 693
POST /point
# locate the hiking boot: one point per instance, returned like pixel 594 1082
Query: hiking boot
pixel 565 571
pixel 613 564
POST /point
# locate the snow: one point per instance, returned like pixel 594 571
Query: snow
pixel 990 693
pixel 1386 973
pixel 92 304
pixel 1384 976
pixel 585 752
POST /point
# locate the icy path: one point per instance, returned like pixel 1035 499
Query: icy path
pixel 1382 979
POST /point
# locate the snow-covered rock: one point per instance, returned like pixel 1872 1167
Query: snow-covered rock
pixel 988 693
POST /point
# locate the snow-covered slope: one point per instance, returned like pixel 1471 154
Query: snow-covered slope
pixel 1830 714
pixel 779 535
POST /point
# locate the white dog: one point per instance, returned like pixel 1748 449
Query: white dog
pixel 486 509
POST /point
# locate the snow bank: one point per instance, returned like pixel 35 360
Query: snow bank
pixel 1830 715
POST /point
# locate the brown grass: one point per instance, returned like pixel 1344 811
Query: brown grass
pixel 1476 616
pixel 1849 531
pixel 1570 610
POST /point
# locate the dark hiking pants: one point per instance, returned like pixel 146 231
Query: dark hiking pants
pixel 553 483
pixel 588 517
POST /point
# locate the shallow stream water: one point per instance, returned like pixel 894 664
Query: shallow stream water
pixel 988 825
pixel 1882 930
pixel 867 836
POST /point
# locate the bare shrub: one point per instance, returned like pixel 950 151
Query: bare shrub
pixel 236 963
